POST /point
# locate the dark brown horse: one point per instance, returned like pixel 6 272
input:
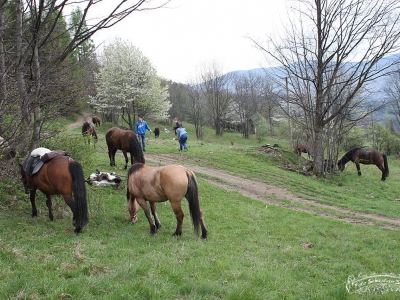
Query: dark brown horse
pixel 96 120
pixel 126 141
pixel 159 184
pixel 303 148
pixel 365 157
pixel 59 176
pixel 88 131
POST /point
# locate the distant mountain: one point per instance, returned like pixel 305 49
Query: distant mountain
pixel 376 87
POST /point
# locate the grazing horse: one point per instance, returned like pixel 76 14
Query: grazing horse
pixel 365 157
pixel 60 175
pixel 303 148
pixel 96 120
pixel 159 184
pixel 89 131
pixel 126 141
pixel 156 132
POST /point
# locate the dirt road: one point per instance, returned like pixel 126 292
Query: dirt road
pixel 261 191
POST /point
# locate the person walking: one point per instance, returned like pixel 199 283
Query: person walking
pixel 182 136
pixel 141 127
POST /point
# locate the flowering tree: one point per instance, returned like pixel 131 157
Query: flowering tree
pixel 127 85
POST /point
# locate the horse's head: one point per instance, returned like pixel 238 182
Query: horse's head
pixel 341 165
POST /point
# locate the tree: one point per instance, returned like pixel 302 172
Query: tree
pixel 35 45
pixel 197 113
pixel 392 92
pixel 128 85
pixel 335 49
pixel 216 91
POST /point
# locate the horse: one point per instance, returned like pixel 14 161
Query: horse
pixel 60 175
pixel 125 140
pixel 96 120
pixel 366 157
pixel 156 132
pixel 303 148
pixel 89 130
pixel 159 184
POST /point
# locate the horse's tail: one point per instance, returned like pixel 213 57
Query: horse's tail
pixel 136 150
pixel 192 195
pixel 385 164
pixel 79 191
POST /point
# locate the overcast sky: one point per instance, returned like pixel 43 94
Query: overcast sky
pixel 190 33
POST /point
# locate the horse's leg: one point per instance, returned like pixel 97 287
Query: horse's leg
pixel 126 158
pixel 32 197
pixel 358 169
pixel 176 207
pixel 204 231
pixel 133 208
pixel 383 171
pixel 70 202
pixel 143 205
pixel 154 213
pixel 111 154
pixel 49 205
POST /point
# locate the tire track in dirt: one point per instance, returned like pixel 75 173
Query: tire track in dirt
pixel 259 190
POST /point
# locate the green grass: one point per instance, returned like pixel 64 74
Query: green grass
pixel 254 251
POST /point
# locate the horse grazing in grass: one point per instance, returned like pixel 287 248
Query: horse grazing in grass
pixel 303 148
pixel 125 140
pixel 88 131
pixel 159 184
pixel 96 120
pixel 365 157
pixel 60 175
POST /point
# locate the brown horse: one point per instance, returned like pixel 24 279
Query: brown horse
pixel 159 184
pixel 303 148
pixel 96 120
pixel 360 156
pixel 88 130
pixel 126 141
pixel 59 176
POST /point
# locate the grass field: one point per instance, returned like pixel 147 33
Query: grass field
pixel 254 251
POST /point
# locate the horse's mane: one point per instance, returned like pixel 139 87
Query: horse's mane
pixel 351 152
pixel 135 167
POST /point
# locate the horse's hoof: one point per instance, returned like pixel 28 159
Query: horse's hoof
pixel 78 230
pixel 177 234
pixel 204 235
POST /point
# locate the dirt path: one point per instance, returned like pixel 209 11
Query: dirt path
pixel 266 193
pixel 86 117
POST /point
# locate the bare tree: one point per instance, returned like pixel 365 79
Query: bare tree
pixel 248 94
pixel 392 92
pixel 216 90
pixel 330 53
pixel 197 113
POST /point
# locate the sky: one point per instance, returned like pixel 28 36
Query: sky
pixel 188 34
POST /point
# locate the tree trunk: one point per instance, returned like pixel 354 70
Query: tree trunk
pixel 319 150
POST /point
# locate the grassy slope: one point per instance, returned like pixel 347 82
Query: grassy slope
pixel 253 251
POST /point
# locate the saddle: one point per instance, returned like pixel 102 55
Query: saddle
pixel 38 157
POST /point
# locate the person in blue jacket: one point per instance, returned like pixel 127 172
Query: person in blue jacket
pixel 182 136
pixel 141 127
